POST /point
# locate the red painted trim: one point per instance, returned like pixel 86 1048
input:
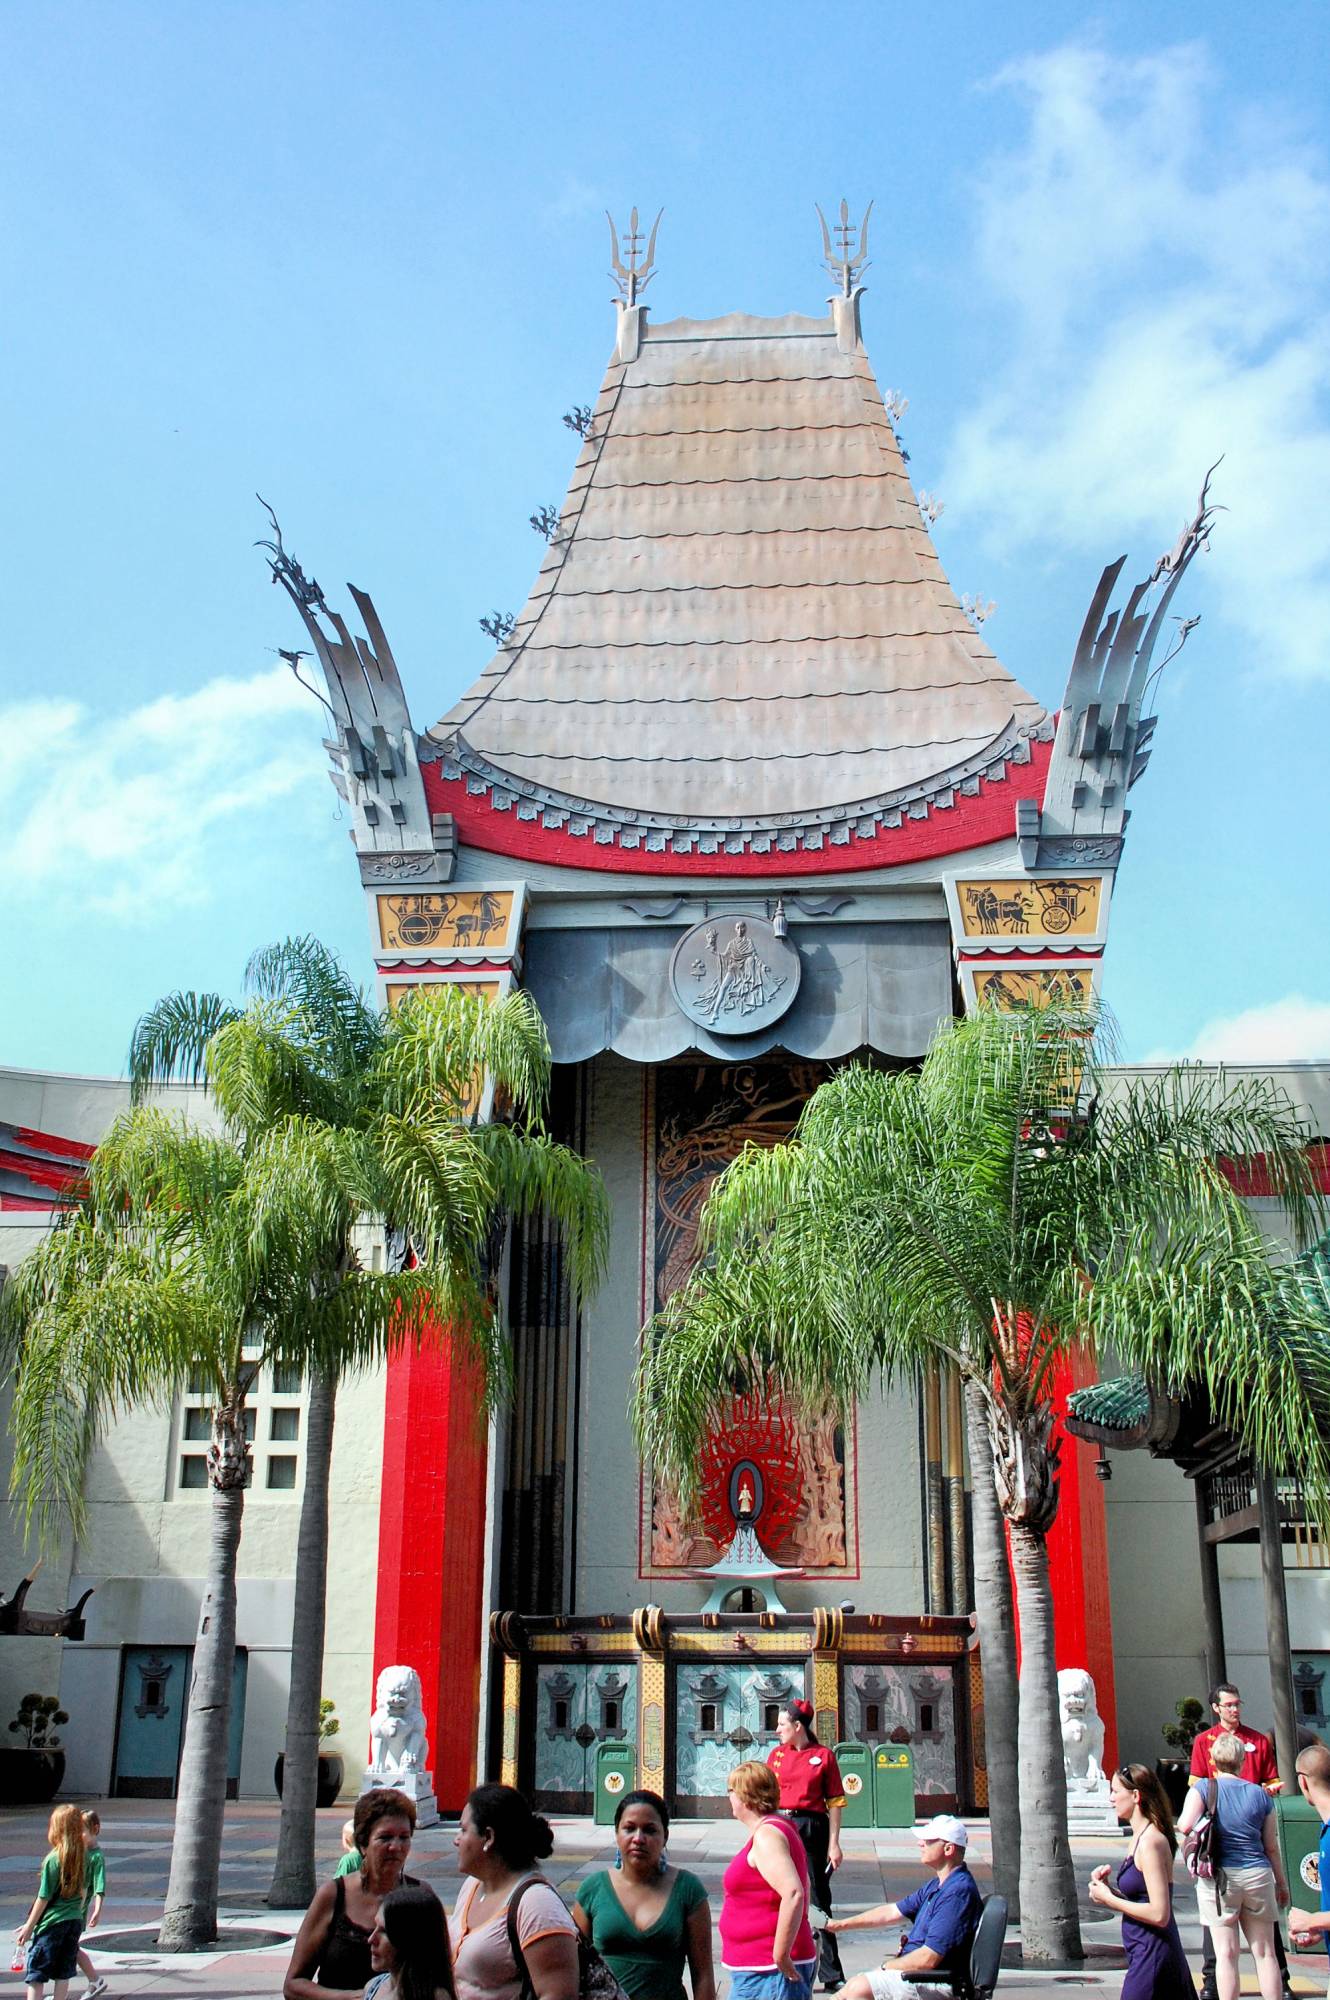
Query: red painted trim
pixel 970 822
pixel 430 1605
pixel 43 1142
pixel 456 967
pixel 999 956
pixel 58 1178
pixel 1252 1177
pixel 22 1205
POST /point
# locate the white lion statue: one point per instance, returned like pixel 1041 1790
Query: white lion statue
pixel 397 1726
pixel 1082 1731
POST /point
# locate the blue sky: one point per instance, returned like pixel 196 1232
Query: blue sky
pixel 355 258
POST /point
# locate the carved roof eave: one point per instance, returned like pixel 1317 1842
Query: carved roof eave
pixel 812 829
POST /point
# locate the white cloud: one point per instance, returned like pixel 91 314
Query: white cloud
pixel 1293 1029
pixel 120 810
pixel 1158 266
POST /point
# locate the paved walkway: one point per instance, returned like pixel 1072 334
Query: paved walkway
pixel 136 1837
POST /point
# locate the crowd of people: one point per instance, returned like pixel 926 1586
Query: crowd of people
pixel 373 1932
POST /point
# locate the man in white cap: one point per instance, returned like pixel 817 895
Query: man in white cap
pixel 942 1917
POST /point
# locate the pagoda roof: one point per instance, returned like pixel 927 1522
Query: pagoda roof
pixel 741 639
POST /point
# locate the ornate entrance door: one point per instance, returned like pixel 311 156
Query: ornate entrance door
pixel 723 1715
pixel 579 1704
pixel 150 1725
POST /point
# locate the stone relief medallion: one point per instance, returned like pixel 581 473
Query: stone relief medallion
pixel 734 975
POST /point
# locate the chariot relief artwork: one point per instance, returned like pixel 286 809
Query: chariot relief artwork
pixel 795 1472
pixel 1010 988
pixel 1066 906
pixel 476 920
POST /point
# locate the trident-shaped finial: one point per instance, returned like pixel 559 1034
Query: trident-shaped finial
pixel 846 263
pixel 634 275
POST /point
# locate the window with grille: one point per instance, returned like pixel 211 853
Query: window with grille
pixel 274 1430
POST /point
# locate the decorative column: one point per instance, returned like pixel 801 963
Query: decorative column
pixel 1276 1626
pixel 428 1613
pixel 506 1636
pixel 1216 1661
pixel 649 1638
pixel 953 1487
pixel 935 1532
pixel 828 1635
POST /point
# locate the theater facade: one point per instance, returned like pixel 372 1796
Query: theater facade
pixel 743 793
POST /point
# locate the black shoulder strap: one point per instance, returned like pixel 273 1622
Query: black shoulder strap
pixel 514 1942
pixel 1214 1797
pixel 339 1897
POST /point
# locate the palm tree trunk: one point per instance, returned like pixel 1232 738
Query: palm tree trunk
pixel 1050 1932
pixel 293 1881
pixel 189 1918
pixel 995 1622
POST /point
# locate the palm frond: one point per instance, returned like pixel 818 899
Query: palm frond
pixel 170 1043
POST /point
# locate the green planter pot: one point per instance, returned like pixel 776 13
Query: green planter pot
pixel 30 1777
pixel 331 1772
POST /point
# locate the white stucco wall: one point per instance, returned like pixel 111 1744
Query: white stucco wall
pixel 144 1549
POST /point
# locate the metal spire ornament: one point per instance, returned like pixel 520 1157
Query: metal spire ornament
pixel 849 260
pixel 632 272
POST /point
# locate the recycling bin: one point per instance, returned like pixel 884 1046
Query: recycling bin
pixel 616 1769
pixel 1298 1826
pixel 856 1770
pixel 893 1785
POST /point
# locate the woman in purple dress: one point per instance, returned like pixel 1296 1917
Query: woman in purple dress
pixel 1143 1890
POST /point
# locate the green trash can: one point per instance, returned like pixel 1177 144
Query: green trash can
pixel 856 1770
pixel 1298 1826
pixel 893 1785
pixel 616 1769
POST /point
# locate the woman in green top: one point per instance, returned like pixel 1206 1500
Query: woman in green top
pixel 55 1921
pixel 646 1918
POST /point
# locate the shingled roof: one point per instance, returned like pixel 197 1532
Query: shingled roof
pixel 741 620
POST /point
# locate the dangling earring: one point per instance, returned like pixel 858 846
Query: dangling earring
pixel 664 1861
pixel 618 1860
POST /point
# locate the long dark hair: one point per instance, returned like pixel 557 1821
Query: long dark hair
pixel 521 1836
pixel 1139 1778
pixel 802 1713
pixel 417 1930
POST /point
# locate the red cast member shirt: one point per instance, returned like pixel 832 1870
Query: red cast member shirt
pixel 810 1779
pixel 1258 1766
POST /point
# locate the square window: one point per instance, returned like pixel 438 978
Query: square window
pixel 282 1473
pixel 199 1385
pixel 286 1379
pixel 251 1419
pixel 194 1471
pixel 198 1426
pixel 284 1426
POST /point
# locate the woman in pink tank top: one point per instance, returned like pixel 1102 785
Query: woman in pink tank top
pixel 766 1941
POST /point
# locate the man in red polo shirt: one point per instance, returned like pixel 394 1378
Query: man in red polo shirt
pixel 1258 1768
pixel 812 1798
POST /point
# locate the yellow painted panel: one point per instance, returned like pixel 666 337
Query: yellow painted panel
pixel 1009 988
pixel 487 989
pixel 1015 906
pixel 470 920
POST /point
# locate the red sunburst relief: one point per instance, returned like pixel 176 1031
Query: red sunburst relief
pixel 757 1431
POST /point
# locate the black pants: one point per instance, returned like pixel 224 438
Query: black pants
pixel 1208 1987
pixel 814 1829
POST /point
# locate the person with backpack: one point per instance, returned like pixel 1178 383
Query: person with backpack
pixel 499 1843
pixel 1228 1827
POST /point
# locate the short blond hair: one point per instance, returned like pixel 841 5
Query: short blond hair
pixel 755 1786
pixel 1228 1753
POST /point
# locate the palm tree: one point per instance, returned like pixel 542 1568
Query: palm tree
pixel 197 1255
pixel 967 1214
pixel 390 1103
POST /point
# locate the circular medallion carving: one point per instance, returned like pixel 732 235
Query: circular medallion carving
pixel 734 975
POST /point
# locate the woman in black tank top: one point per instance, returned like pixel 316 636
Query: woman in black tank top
pixel 331 1954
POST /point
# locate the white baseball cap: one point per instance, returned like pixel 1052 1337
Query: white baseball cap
pixel 943 1826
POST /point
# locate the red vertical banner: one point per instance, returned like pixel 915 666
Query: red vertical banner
pixel 1078 1560
pixel 429 1607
